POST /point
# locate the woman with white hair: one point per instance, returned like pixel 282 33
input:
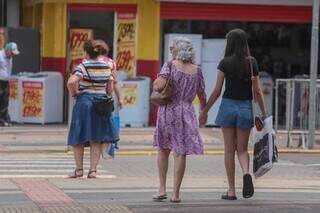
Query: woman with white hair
pixel 177 128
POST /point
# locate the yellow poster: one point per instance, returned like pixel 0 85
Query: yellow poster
pixel 126 33
pixel 196 101
pixel 77 39
pixel 2 37
pixel 13 85
pixel 32 99
pixel 129 94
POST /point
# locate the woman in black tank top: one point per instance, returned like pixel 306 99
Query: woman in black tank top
pixel 235 117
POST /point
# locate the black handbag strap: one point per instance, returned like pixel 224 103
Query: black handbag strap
pixel 88 75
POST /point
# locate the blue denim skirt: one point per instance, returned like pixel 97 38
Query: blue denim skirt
pixel 235 113
pixel 86 125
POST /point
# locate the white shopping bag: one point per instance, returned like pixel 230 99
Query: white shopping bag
pixel 265 152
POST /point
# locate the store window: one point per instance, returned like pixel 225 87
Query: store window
pixel 101 23
pixel 282 50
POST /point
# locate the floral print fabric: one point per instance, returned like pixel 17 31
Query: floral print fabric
pixel 177 127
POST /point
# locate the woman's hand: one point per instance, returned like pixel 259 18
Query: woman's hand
pixel 203 117
pixel 120 103
pixel 159 84
pixel 75 94
pixel 73 86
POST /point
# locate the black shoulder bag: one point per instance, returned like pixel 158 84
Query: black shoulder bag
pixel 102 103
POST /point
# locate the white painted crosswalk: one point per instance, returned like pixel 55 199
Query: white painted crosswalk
pixel 44 167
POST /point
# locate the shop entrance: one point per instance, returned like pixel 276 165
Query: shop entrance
pixel 101 22
pixel 84 25
pixel 281 49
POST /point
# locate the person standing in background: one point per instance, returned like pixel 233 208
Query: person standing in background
pixel 90 78
pixel 6 55
pixel 118 103
pixel 118 100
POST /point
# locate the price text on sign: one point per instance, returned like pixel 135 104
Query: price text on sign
pixel 32 99
pixel 126 31
pixel 129 94
pixel 125 59
pixel 13 84
pixel 77 39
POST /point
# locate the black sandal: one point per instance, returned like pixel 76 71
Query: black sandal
pixel 159 198
pixel 175 200
pixel 90 175
pixel 248 189
pixel 226 196
pixel 75 174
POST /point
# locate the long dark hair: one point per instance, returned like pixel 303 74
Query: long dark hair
pixel 237 49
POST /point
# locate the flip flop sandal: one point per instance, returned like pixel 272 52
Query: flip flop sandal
pixel 91 175
pixel 248 189
pixel 175 200
pixel 226 196
pixel 159 198
pixel 76 174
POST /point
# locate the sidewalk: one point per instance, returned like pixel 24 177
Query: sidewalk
pixel 134 141
pixel 288 188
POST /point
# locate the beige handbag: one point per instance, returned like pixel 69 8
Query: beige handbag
pixel 164 97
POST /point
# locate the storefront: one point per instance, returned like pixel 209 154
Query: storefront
pixel 118 22
pixel 130 27
pixel 279 35
pixel 135 30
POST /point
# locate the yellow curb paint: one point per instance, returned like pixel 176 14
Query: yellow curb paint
pixel 154 152
pixel 206 152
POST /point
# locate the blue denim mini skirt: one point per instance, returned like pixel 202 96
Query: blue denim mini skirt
pixel 86 125
pixel 235 113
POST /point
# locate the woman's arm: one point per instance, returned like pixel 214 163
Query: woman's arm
pixel 201 90
pixel 72 85
pixel 256 89
pixel 216 92
pixel 213 97
pixel 159 84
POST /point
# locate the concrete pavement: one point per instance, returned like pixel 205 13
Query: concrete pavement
pixel 134 141
pixel 293 185
pixel 34 166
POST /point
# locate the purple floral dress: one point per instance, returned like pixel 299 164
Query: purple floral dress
pixel 177 126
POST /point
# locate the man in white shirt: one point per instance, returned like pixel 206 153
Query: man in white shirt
pixel 6 55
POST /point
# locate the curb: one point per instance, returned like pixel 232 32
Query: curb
pixel 135 152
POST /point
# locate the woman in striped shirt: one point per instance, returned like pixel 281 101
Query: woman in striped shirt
pixel 87 128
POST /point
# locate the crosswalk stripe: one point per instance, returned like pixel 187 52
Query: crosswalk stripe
pixel 39 166
pixel 43 167
pixel 49 176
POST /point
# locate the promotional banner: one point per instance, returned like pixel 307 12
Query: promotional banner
pixel 126 35
pixel 77 39
pixel 32 99
pixel 13 85
pixel 129 94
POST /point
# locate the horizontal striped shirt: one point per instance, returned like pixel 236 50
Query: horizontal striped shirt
pixel 94 76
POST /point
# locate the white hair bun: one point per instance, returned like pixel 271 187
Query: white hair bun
pixel 185 49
